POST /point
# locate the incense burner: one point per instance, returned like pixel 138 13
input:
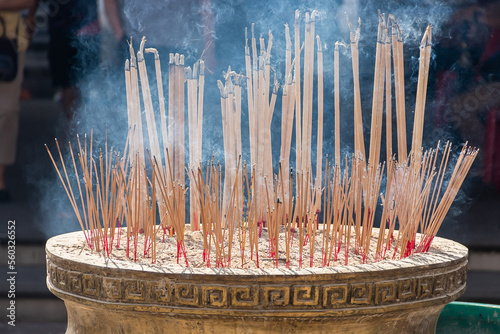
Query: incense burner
pixel 392 296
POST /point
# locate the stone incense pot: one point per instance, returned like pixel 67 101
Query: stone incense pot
pixel 393 296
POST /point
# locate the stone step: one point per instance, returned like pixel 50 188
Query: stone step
pixel 50 309
pixel 29 281
pixel 34 327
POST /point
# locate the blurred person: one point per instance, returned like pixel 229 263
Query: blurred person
pixel 16 31
pixel 73 48
pixel 468 83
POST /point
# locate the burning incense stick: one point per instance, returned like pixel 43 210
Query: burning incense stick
pixel 319 152
pixel 399 88
pixel 298 105
pixel 336 89
pixel 423 73
pixel 378 95
pixel 359 142
pixel 388 93
pixel 148 103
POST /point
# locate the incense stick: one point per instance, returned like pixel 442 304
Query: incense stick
pixel 359 143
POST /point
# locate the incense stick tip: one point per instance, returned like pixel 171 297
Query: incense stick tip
pixel 202 67
pixel 314 14
pixel 320 47
pixel 143 42
pixel 140 57
pixel 154 51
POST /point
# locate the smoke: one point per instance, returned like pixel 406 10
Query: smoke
pixel 181 26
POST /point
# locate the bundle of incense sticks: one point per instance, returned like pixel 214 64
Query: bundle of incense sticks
pixel 334 210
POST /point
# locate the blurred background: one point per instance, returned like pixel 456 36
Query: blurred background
pixel 73 82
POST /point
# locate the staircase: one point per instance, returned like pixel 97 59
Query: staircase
pixel 37 310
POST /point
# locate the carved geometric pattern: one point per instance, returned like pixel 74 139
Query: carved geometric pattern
pixel 214 296
pixel 334 295
pixel 424 289
pixel 112 288
pixel 187 294
pixel 52 272
pixel 164 292
pixel 385 292
pixel 305 295
pixel 61 276
pixel 276 295
pixel 161 292
pixel 456 279
pixel 407 289
pixel 75 281
pixel 245 296
pixel 134 290
pixel 439 286
pixel 90 285
pixel 361 294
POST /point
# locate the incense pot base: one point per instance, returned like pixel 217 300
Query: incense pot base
pixel 393 296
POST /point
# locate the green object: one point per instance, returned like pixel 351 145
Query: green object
pixel 460 317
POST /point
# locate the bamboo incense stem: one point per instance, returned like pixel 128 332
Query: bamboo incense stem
pixel 178 125
pixel 171 105
pixel 298 118
pixel 192 94
pixel 262 137
pixel 308 93
pixel 130 110
pixel 286 125
pixel 314 13
pixel 336 88
pixel 227 139
pixel 288 52
pixel 138 138
pixel 163 115
pixel 238 145
pixel 179 143
pixel 378 96
pixel 148 103
pixel 181 136
pixel 319 154
pixel 149 112
pixel 230 127
pixel 270 112
pixel 388 95
pixel 423 73
pixel 161 97
pixel 286 110
pixel 201 93
pixel 399 87
pixel 267 58
pixel 250 98
pixel 269 106
pixel 359 143
pixel 176 121
pixel 257 89
pixel 129 93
